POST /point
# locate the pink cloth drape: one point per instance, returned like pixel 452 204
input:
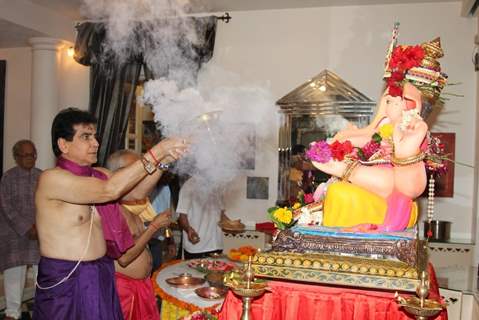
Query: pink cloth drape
pixel 293 301
pixel 137 298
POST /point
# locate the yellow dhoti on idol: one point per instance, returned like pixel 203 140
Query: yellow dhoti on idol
pixel 348 205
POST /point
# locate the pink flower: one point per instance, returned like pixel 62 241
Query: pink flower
pixel 319 151
pixel 370 148
pixel 308 198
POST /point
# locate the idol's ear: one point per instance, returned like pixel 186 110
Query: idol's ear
pixel 413 97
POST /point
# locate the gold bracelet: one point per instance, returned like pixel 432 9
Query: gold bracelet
pixel 349 170
pixel 401 162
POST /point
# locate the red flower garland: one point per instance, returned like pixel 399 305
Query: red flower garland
pixel 402 59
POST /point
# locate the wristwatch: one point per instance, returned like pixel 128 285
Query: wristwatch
pixel 149 167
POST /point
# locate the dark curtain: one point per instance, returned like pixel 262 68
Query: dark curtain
pixel 113 81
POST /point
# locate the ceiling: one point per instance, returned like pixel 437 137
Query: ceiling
pixel 15 35
pixel 71 8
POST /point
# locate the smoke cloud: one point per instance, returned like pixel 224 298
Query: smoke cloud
pixel 224 119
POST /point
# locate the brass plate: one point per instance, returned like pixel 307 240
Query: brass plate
pixel 211 293
pixel 185 282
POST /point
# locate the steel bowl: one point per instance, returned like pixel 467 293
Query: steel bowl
pixel 441 230
pixel 211 293
pixel 185 281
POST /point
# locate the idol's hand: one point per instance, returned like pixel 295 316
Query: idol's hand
pixel 407 142
pixel 334 168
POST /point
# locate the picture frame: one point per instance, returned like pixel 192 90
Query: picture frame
pixel 257 188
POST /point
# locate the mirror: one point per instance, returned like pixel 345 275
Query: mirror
pixel 316 110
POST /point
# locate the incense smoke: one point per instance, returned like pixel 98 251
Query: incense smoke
pixel 224 120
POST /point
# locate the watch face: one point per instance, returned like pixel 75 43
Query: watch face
pixel 149 167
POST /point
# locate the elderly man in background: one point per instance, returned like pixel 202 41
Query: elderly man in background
pixel 133 268
pixel 18 236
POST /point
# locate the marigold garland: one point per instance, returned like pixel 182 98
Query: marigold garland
pixel 181 304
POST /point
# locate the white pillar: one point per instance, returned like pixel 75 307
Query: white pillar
pixel 45 93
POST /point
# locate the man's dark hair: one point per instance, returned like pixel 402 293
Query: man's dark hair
pixel 64 122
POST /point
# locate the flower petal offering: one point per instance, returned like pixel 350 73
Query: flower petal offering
pixel 242 253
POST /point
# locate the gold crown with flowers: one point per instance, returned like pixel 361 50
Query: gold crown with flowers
pixel 416 64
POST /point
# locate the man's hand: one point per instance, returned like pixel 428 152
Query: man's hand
pixel 192 235
pixel 170 149
pixel 162 220
pixel 32 233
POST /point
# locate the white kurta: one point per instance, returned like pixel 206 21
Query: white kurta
pixel 204 212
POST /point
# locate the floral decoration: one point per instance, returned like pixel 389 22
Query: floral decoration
pixel 435 156
pixel 402 59
pixel 285 217
pixel 342 150
pixel 319 151
pixel 339 150
pixel 322 152
pixel 281 216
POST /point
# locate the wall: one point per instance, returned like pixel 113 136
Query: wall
pixel 17 99
pixel 74 81
pixel 284 48
pixel 74 91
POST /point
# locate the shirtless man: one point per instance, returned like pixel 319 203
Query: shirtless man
pixel 133 268
pixel 76 271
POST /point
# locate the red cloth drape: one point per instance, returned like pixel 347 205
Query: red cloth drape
pixel 294 301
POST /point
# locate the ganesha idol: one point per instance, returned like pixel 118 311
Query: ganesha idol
pixel 380 170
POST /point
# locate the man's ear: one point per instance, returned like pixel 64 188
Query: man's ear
pixel 63 145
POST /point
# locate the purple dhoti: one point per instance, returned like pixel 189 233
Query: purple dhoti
pixel 89 293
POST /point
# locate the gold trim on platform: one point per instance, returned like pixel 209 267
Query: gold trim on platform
pixel 337 270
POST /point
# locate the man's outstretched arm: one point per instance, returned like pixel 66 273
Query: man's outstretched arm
pixel 58 184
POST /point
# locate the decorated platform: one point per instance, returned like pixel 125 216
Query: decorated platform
pixel 339 270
